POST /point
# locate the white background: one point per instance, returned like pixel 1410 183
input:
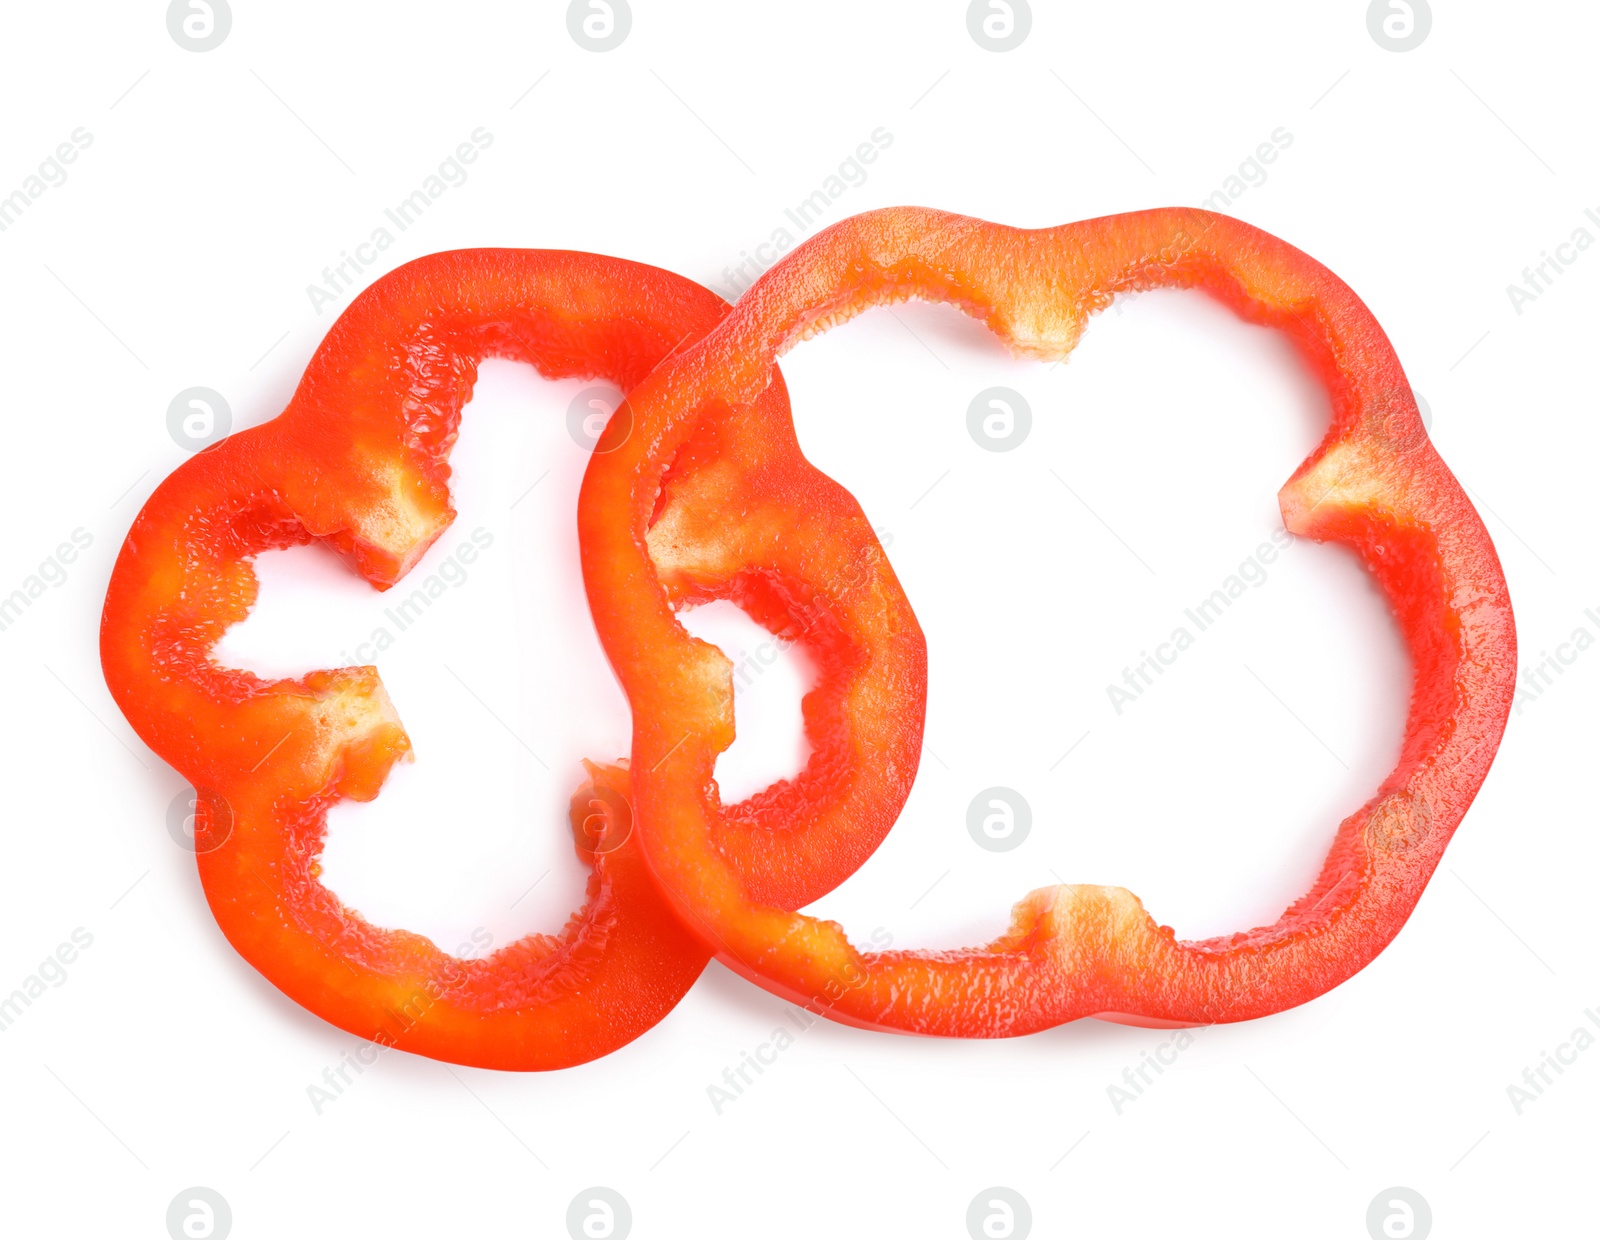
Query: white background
pixel 178 253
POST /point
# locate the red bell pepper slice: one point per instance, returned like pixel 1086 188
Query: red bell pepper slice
pixel 359 461
pixel 1375 483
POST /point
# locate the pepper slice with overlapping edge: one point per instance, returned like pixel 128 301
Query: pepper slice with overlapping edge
pixel 359 461
pixel 1374 483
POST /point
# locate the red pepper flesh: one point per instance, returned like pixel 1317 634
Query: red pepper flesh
pixel 359 461
pixel 1374 483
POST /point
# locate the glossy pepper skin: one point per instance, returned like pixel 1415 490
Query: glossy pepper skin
pixel 359 461
pixel 1374 483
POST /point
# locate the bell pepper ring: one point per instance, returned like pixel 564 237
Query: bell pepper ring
pixel 1374 483
pixel 359 461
